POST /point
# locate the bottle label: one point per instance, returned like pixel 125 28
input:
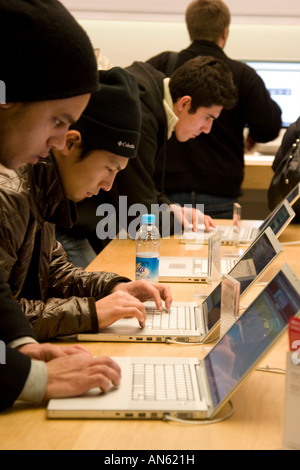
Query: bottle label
pixel 147 268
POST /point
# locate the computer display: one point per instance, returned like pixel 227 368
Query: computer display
pixel 251 336
pixel 248 268
pixel 282 79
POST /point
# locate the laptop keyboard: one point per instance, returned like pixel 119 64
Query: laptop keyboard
pixel 178 317
pixel 227 231
pixel 162 382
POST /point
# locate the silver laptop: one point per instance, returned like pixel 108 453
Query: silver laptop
pixel 189 388
pixel 278 221
pixel 189 322
pixel 190 268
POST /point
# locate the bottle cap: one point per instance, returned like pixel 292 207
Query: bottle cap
pixel 148 219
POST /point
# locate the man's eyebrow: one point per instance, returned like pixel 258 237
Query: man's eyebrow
pixel 68 118
pixel 118 166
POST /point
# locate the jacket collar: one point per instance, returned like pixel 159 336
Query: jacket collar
pixel 49 194
pixel 209 47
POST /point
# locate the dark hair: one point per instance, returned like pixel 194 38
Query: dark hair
pixel 208 81
pixel 207 19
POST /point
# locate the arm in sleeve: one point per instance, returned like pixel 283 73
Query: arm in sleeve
pixel 13 376
pixel 261 113
pixel 70 304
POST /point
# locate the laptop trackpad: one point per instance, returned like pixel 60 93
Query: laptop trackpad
pixel 124 326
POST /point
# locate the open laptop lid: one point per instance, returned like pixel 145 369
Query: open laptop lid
pixel 293 195
pixel 279 218
pixel 253 334
pixel 247 270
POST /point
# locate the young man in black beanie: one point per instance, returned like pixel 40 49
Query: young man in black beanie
pixel 58 298
pixel 48 70
pixel 186 105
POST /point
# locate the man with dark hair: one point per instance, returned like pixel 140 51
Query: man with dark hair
pixel 209 170
pixel 187 104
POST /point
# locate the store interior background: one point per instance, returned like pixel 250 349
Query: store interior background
pixel 137 30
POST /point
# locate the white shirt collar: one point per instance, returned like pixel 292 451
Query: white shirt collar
pixel 168 105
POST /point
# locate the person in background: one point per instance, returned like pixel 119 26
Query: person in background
pixel 49 71
pixel 58 298
pixel 186 104
pixel 209 169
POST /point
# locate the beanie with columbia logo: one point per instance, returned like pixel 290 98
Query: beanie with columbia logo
pixel 112 119
pixel 45 53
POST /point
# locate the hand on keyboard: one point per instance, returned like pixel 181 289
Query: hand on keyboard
pixel 145 290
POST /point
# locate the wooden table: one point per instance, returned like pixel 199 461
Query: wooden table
pixel 257 422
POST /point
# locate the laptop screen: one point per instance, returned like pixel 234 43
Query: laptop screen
pixel 250 265
pixel 276 220
pixel 257 329
pixel 282 79
pixel 293 195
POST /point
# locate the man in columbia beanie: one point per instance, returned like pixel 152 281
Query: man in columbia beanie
pixel 45 54
pixel 109 128
pixel 112 118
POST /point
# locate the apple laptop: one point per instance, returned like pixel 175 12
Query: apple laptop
pixel 189 322
pixel 190 268
pixel 190 388
pixel 279 220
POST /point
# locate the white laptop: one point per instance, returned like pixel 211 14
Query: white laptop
pixel 189 322
pixel 189 268
pixel 189 388
pixel 279 220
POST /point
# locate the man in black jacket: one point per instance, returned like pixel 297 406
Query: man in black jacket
pixel 209 170
pixel 186 104
pixel 38 39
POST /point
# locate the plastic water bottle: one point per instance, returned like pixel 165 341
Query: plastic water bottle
pixel 147 242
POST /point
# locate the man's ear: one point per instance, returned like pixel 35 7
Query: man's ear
pixel 183 102
pixel 73 142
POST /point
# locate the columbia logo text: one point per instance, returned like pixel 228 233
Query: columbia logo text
pixel 2 353
pixel 126 144
pixel 2 92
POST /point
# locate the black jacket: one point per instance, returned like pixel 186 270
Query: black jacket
pixel 214 163
pixel 289 138
pixel 13 325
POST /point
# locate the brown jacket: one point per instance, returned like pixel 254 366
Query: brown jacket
pixel 57 297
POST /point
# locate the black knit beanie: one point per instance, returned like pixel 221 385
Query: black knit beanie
pixel 44 53
pixel 112 119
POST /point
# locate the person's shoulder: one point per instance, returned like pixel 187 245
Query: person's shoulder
pixel 12 180
pixel 241 67
pixel 144 68
pixel 14 193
